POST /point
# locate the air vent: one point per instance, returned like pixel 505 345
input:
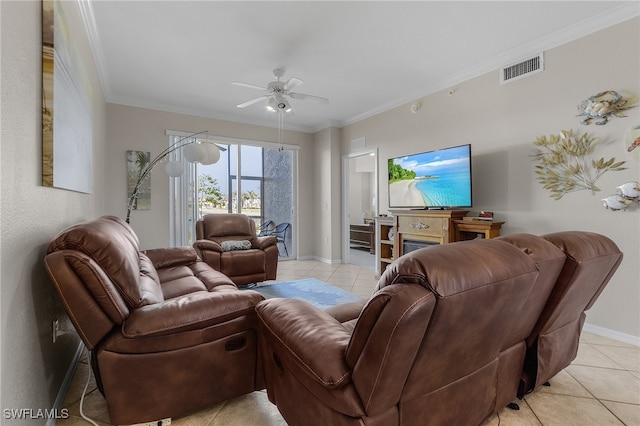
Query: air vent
pixel 522 69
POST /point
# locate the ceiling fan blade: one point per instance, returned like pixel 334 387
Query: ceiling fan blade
pixel 252 101
pixel 250 86
pixel 292 83
pixel 312 98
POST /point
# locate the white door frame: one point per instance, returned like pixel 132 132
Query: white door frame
pixel 345 195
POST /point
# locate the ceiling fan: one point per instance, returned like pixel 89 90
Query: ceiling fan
pixel 278 91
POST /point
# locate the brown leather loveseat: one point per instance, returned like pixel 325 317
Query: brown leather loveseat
pixel 168 334
pixel 219 242
pixel 442 340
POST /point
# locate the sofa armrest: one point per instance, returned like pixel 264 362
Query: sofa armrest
pixel 207 245
pixel 347 311
pixel 263 242
pixel 306 337
pixel 193 311
pixel 171 256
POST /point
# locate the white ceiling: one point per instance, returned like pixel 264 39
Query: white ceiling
pixel 366 57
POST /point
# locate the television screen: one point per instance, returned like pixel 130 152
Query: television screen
pixel 435 179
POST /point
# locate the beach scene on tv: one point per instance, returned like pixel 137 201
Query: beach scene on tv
pixel 431 179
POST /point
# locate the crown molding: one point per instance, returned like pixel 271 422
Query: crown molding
pixel 194 112
pixel 88 19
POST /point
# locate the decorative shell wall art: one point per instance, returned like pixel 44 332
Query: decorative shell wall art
pixel 601 106
pixel 627 194
pixel 566 163
pixel 615 202
pixel 630 191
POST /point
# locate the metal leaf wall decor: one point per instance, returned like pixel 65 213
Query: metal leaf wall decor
pixel 566 163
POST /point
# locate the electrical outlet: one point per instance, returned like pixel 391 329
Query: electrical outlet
pixel 55 328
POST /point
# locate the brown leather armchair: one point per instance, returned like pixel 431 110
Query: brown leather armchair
pixel 441 341
pixel 255 262
pixel 168 334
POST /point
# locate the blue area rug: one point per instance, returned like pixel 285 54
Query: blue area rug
pixel 316 292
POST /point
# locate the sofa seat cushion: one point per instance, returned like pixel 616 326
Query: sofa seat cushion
pixel 117 342
pixel 194 311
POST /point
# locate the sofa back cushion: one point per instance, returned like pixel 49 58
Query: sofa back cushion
pixel 550 260
pixel 113 246
pixel 592 259
pixel 481 287
pixel 225 226
pixel 91 300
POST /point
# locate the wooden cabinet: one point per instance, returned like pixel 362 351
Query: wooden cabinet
pixel 420 228
pixel 362 236
pixel 408 230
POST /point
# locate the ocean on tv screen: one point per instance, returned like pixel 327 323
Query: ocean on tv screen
pixel 432 179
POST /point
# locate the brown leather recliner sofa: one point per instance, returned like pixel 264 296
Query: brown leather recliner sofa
pixel 168 333
pixel 443 339
pixel 256 262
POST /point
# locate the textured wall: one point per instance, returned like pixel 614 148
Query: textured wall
pixel 32 366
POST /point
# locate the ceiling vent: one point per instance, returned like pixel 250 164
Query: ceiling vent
pixel 522 69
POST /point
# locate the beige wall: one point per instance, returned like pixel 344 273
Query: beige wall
pixel 32 367
pixel 327 205
pixel 501 122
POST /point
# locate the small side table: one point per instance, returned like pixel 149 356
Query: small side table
pixel 471 229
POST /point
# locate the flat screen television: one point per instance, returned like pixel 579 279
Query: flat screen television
pixel 438 179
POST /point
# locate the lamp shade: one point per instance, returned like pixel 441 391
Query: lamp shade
pixel 210 154
pixel 174 168
pixel 192 152
pixel 204 153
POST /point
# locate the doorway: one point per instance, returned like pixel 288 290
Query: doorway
pixel 360 207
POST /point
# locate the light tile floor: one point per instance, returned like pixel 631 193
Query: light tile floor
pixel 601 387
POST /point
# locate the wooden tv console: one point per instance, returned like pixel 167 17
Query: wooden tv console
pixel 410 229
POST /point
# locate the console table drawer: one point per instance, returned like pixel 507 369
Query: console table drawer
pixel 428 226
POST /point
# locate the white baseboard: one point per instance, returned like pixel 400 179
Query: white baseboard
pixel 329 261
pixel 304 258
pixel 612 334
pixel 62 393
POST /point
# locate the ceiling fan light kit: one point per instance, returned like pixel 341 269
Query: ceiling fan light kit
pixel 276 104
pixel 278 92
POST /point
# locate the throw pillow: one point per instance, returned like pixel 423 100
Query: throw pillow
pixel 230 245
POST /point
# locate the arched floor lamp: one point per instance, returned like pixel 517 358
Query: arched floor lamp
pixel 195 151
